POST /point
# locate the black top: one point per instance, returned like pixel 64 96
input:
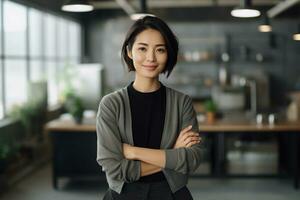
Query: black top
pixel 148 116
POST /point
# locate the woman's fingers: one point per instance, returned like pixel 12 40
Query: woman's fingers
pixel 186 137
pixel 190 134
pixel 185 130
pixel 192 143
pixel 191 139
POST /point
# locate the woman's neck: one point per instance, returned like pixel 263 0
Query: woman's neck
pixel 146 85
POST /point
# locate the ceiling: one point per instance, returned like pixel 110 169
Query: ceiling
pixel 182 9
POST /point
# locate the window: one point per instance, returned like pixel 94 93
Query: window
pixel 52 82
pixel 14 29
pixel 1 67
pixel 15 82
pixel 35 33
pixel 61 75
pixel 50 58
pixel 74 40
pixel 40 56
pixel 50 36
pixel 1 92
pixel 62 38
pixel 14 16
pixel 37 72
pixel 0 32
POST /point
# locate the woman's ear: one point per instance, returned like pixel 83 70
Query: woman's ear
pixel 129 53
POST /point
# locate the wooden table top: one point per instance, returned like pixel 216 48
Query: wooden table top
pixel 248 126
pixel 71 126
pixel 223 125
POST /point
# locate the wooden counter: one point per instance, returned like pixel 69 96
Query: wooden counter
pixel 71 126
pixel 248 126
pixel 74 148
pixel 64 132
pixel 218 126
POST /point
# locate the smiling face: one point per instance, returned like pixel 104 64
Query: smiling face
pixel 149 54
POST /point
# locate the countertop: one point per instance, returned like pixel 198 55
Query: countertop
pixel 66 125
pixel 224 124
pixel 247 126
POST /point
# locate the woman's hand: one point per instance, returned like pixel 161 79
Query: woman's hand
pixel 128 151
pixel 187 138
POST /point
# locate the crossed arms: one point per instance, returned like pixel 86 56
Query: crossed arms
pixel 127 163
pixel 153 160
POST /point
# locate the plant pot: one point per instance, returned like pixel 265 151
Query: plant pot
pixel 78 120
pixel 210 117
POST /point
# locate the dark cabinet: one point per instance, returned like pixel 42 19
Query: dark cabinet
pixel 73 154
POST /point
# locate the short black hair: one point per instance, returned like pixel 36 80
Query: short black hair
pixel 151 22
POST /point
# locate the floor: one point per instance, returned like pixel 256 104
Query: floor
pixel 37 186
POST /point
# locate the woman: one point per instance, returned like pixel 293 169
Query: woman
pixel 147 133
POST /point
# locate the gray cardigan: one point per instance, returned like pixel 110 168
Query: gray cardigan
pixel 114 128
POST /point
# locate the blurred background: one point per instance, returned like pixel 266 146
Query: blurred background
pixel 240 68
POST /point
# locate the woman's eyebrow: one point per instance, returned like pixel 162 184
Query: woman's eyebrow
pixel 145 44
pixel 141 43
pixel 158 45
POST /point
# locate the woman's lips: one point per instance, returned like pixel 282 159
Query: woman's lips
pixel 150 67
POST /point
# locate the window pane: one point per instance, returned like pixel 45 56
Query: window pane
pixel 1 27
pixel 74 61
pixel 14 28
pixel 1 103
pixel 75 34
pixel 52 83
pixel 36 71
pixel 62 38
pixel 61 66
pixel 35 32
pixel 50 36
pixel 15 82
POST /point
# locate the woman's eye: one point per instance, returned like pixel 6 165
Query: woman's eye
pixel 161 50
pixel 142 49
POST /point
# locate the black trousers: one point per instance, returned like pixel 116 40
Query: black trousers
pixel 148 191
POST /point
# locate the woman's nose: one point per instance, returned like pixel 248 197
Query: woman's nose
pixel 151 56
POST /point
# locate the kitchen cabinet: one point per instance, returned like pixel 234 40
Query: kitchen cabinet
pixel 74 148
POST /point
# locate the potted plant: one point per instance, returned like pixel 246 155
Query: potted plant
pixel 210 108
pixel 24 113
pixel 74 106
pixel 68 96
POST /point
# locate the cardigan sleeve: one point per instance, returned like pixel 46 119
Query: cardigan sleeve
pixel 109 145
pixel 186 160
